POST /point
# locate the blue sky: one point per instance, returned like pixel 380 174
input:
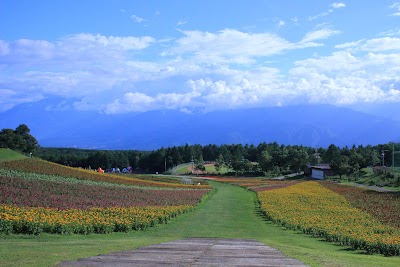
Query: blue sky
pixel 136 56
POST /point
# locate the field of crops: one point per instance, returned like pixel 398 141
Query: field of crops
pixel 27 220
pixel 45 167
pixel 384 207
pixel 321 212
pixel 41 193
pixel 38 196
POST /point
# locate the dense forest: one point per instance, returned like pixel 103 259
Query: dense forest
pixel 271 157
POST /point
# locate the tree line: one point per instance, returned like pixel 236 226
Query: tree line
pixel 269 158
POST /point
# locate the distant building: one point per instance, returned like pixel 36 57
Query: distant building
pixel 320 172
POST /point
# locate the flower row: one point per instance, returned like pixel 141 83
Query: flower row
pixel 24 220
pixel 316 210
pixel 64 195
pixel 383 206
pixel 45 167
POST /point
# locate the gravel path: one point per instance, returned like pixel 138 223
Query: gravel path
pixel 194 252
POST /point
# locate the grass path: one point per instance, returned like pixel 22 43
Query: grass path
pixel 230 213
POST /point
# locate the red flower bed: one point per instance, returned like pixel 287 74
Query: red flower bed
pixel 41 193
pixel 384 206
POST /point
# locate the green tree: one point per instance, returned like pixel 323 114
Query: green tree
pixel 298 158
pixel 20 139
pixel 332 153
pixel 265 161
pixel 355 161
pixel 199 164
pixel 220 162
pixel 341 166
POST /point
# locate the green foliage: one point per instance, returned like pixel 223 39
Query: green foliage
pixel 19 139
pixel 272 158
pixel 220 162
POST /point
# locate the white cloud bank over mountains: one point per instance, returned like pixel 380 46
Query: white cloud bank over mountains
pixel 199 70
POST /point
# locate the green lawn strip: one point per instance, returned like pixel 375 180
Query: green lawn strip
pixel 8 154
pixel 229 213
pixel 183 169
pixel 211 169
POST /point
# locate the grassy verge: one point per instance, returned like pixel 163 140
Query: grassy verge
pixel 211 169
pixel 230 213
pixel 8 154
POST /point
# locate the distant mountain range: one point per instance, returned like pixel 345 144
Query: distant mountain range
pixel 311 125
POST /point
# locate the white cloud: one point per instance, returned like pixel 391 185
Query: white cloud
pixel 343 78
pixel 281 23
pixel 130 102
pixel 136 19
pixel 372 45
pixel 326 13
pixel 224 46
pixel 124 43
pixel 320 15
pixel 140 102
pixel 391 33
pixel 318 35
pixel 233 46
pixel 338 5
pixel 200 70
pixel 382 44
pixel 396 6
pixel 181 22
pixel 349 45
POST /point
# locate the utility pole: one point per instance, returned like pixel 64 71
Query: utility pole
pixel 383 157
pixel 165 164
pixel 393 157
pixel 192 164
pixel 317 155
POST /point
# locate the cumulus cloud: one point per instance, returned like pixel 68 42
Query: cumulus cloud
pixel 223 46
pixel 140 102
pixel 233 46
pixel 130 102
pixel 199 70
pixel 343 78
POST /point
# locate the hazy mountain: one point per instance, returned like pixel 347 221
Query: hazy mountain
pixel 315 125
